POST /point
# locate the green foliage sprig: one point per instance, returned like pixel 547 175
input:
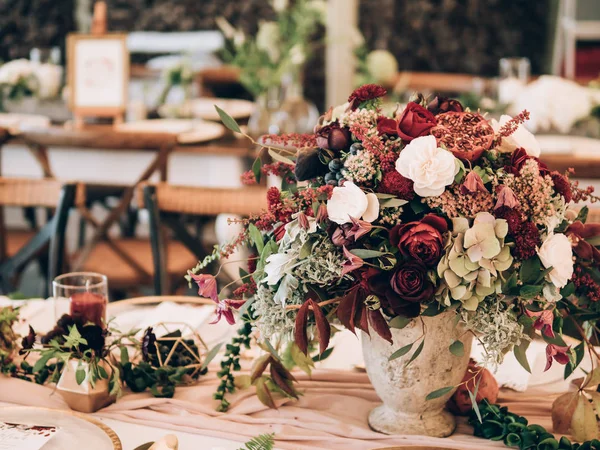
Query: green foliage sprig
pixel 498 424
pixel 231 362
pixel 260 442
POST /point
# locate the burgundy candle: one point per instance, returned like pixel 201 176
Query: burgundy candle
pixel 90 306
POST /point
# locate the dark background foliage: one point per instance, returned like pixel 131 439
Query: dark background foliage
pixel 430 35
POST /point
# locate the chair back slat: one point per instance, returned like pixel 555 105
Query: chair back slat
pixel 29 192
pixel 209 201
pixel 46 193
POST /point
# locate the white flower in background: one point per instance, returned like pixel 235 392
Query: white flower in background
pixel 297 55
pixel 278 264
pixel 320 7
pixel 429 167
pixel 350 201
pixel 553 103
pixel 556 252
pixel 49 80
pixel 13 71
pixel 280 5
pixel 267 39
pixel 382 66
pixel 520 138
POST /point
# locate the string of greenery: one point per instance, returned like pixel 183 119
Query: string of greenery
pixel 498 424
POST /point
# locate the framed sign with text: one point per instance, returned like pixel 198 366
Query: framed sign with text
pixel 98 75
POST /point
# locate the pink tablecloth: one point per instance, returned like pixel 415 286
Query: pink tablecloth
pixel 332 413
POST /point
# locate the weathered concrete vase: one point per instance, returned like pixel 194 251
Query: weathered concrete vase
pixel 403 388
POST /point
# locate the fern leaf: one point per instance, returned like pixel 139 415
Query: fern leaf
pixel 261 442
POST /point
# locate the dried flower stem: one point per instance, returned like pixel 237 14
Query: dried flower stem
pixel 321 304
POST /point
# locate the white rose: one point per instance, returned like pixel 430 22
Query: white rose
pixel 520 138
pixel 49 78
pixel 429 167
pixel 556 252
pixel 350 201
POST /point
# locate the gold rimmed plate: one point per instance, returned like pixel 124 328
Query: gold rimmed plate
pixel 75 430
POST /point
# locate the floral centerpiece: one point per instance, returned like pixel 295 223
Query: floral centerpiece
pixel 22 78
pixel 422 230
pixel 280 47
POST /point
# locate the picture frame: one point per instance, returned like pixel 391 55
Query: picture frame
pixel 97 75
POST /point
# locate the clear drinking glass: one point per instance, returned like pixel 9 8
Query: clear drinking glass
pixel 514 75
pixel 83 294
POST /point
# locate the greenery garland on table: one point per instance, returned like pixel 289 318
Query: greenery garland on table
pixel 496 423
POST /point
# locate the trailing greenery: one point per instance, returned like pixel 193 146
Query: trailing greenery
pixel 498 424
pixel 231 362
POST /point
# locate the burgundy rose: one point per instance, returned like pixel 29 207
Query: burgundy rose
pixel 333 137
pixel 518 160
pixel 422 240
pixel 411 283
pixel 378 283
pixel 387 126
pixel 415 121
pixel 440 105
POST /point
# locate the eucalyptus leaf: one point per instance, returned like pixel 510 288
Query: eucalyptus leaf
pixel 277 157
pixel 439 392
pixel 399 322
pixel 211 355
pixel 80 374
pixel 228 121
pixel 521 356
pixel 457 348
pixel 400 352
pixel 366 254
pixel 323 356
pixel 256 166
pixel 256 237
pixel 417 352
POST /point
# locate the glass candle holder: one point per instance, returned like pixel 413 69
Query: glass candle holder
pixel 86 294
pixel 514 75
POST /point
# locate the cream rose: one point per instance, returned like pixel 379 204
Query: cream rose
pixel 556 252
pixel 350 201
pixel 520 138
pixel 429 167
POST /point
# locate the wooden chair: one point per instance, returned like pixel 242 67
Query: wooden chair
pixel 44 193
pixel 167 203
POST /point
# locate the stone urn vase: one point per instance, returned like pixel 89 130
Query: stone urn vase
pixel 403 388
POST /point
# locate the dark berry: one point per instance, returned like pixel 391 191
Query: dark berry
pixel 332 182
pixel 329 177
pixel 354 148
pixel 335 164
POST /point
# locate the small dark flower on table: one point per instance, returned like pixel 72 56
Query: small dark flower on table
pixel 28 341
pixel 148 343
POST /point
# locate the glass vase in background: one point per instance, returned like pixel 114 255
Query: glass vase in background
pixel 83 294
pixel 267 118
pixel 300 114
pixel 514 76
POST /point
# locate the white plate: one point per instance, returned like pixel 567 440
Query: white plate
pixel 21 122
pixel 187 131
pixel 76 430
pixel 556 144
pixel 204 108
